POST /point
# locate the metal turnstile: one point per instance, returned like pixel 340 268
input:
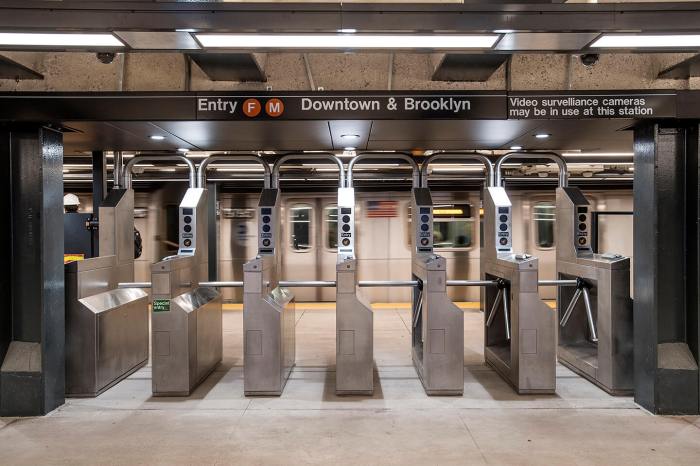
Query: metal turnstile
pixel 595 317
pixel 106 327
pixel 437 325
pixel 186 318
pixel 520 329
pixel 268 309
pixel 354 319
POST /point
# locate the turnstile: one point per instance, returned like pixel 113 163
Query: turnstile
pixel 595 332
pixel 354 319
pixel 186 318
pixel 268 309
pixel 520 329
pixel 437 325
pixel 106 327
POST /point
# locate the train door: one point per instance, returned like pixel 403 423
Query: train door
pixel 540 228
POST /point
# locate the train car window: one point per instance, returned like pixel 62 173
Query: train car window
pixel 330 217
pixel 453 226
pixel 544 214
pixel 300 216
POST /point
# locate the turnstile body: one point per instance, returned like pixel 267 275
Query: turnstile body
pixel 437 325
pixel 520 330
pixel 186 321
pixel 186 327
pixel 268 309
pixel 605 355
pixel 106 327
pixel 354 320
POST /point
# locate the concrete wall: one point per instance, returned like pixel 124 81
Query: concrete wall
pixel 75 71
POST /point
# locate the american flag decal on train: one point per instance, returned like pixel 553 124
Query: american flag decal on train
pixel 382 209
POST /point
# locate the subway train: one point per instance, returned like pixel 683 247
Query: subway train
pixel 383 234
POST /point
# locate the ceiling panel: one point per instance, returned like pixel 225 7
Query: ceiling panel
pixel 118 136
pixel 158 40
pixel 252 135
pixel 524 41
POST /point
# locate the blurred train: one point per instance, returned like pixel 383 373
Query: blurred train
pixel 383 234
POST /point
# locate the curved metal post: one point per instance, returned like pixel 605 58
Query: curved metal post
pixel 159 158
pixel 118 169
pixel 490 179
pixel 553 156
pixel 202 168
pixel 385 155
pixel 316 156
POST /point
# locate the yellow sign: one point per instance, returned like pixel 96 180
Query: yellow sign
pixel 68 258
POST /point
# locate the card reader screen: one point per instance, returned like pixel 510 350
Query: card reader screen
pixel 425 210
pixel 187 211
pixel 503 210
pixel 266 211
pixel 345 210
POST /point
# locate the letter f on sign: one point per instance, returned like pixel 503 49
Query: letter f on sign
pixel 251 107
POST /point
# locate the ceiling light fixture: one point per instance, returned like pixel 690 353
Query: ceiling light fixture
pixel 157 137
pixel 32 39
pixel 347 31
pixel 516 147
pixel 183 150
pixel 542 136
pixel 349 148
pixel 350 136
pixel 674 41
pixel 346 41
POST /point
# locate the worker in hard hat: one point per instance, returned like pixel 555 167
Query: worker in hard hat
pixel 71 203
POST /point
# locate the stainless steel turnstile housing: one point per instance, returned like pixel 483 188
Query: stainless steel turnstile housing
pixel 595 333
pixel 106 327
pixel 268 309
pixel 354 374
pixel 520 329
pixel 186 318
pixel 437 325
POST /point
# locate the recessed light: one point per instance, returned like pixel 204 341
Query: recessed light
pixel 504 31
pixel 185 30
pixel 347 41
pixel 157 137
pixel 183 150
pixel 347 31
pixel 349 148
pixel 32 39
pixel 516 147
pixel 542 135
pixel 350 136
pixel 674 41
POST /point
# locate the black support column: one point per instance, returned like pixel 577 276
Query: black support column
pixel 32 350
pixel 666 268
pixel 99 191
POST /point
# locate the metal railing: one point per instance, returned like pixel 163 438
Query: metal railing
pixel 202 169
pixel 314 156
pixel 553 156
pixel 382 155
pixel 159 158
pixel 490 178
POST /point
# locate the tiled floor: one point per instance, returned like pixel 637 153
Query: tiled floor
pixel 490 424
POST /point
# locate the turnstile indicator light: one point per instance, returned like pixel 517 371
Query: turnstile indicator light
pixel 503 218
pixel 266 219
pixel 346 242
pixel 503 227
pixel 346 219
pixel 187 228
pixel 187 243
pixel 266 242
pixel 425 227
pixel 424 241
pixel 425 219
pixel 266 228
pixel 582 226
pixel 188 219
pixel 582 218
pixel 582 241
pixel 503 241
pixel 346 227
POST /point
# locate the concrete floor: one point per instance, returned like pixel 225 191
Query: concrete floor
pixel 490 424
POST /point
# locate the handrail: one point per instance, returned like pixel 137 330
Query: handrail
pixel 159 158
pixel 490 178
pixel 202 168
pixel 385 155
pixel 317 156
pixel 553 156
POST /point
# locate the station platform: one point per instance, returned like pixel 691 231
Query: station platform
pixel 309 424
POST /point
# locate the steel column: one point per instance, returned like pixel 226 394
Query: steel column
pixel 212 230
pixel 32 379
pixel 666 268
pixel 99 191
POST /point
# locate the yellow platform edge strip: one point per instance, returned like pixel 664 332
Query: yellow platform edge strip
pixel 331 305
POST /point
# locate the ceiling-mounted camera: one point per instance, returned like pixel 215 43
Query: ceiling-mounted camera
pixel 589 59
pixel 106 57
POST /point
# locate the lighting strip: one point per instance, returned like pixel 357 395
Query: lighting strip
pixel 630 41
pixel 347 41
pixel 32 39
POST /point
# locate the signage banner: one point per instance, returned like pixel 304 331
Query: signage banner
pixel 591 106
pixel 352 107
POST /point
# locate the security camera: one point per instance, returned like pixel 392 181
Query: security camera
pixel 106 57
pixel 589 59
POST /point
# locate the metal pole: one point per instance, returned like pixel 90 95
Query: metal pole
pixel 589 315
pixel 316 156
pixel 490 179
pixel 496 302
pixel 117 170
pixel 570 308
pixel 168 158
pixel 202 169
pixel 557 283
pixel 553 156
pixel 385 155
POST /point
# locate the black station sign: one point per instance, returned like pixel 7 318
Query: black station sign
pixel 352 107
pixel 591 106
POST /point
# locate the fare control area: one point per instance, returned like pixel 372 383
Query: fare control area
pixel 504 237
pixel 188 240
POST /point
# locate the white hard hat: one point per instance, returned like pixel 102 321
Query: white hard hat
pixel 70 199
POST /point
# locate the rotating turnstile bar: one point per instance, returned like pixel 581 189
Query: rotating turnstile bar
pixel 504 298
pixel 581 290
pixel 553 156
pixel 362 283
